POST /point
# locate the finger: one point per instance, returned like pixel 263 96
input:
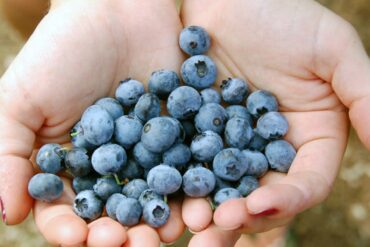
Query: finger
pixel 215 237
pixel 58 223
pixel 175 227
pixel 106 232
pixel 142 236
pixel 196 213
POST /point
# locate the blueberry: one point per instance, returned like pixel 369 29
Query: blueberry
pixel 147 107
pixel 50 158
pixel 156 213
pixel 164 179
pixel 257 143
pixel 78 163
pixel 177 156
pixel 221 184
pixel 257 161
pixel 88 205
pixel 234 90
pixel 83 183
pixel 129 92
pixel 189 130
pixel 45 187
pixel 127 131
pixel 163 82
pixel 199 72
pixel 134 188
pixel 260 102
pixel 238 133
pixel 239 111
pixel 247 185
pixel 210 95
pixel 198 182
pixel 112 204
pixel 105 187
pixel 205 146
pixel 78 139
pixel 180 132
pixel 184 102
pixel 194 40
pixel 131 170
pixel 112 106
pixel 129 212
pixel 193 165
pixel 272 125
pixel 148 195
pixel 280 155
pixel 159 134
pixel 108 159
pixel 230 164
pixel 226 194
pixel 144 157
pixel 97 125
pixel 211 116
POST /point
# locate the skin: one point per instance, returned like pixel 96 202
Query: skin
pixel 310 58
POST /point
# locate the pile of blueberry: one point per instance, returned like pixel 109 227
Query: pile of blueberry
pixel 130 163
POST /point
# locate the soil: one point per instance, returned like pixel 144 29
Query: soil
pixel 342 220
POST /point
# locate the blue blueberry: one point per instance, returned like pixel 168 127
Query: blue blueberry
pixel 105 187
pixel 205 146
pixel 147 107
pixel 211 116
pixel 198 182
pixel 184 102
pixel 230 164
pixel 112 106
pixel 226 194
pixel 127 131
pixel 221 184
pixel 156 213
pixel 199 72
pixel 50 158
pixel 78 163
pixel 193 165
pixel 272 125
pixel 134 188
pixel 247 185
pixel 108 159
pixel 260 102
pixel 163 82
pixel 112 204
pixel 129 211
pixel 238 132
pixel 78 139
pixel 177 156
pixel 164 179
pixel 148 195
pixel 257 143
pixel 129 92
pixel 83 183
pixel 159 134
pixel 180 132
pixel 280 155
pixel 45 187
pixel 257 161
pixel 88 205
pixel 97 125
pixel 234 90
pixel 210 95
pixel 145 158
pixel 239 111
pixel 194 40
pixel 189 129
pixel 131 170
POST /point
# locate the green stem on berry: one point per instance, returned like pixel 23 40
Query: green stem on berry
pixel 118 181
pixel 165 199
pixel 73 134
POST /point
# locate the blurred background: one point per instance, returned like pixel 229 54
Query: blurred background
pixel 344 218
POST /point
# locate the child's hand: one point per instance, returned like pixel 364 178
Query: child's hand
pixel 314 62
pixel 79 53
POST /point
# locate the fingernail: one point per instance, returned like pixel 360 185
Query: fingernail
pixel 193 232
pixel 267 212
pixel 231 228
pixel 3 214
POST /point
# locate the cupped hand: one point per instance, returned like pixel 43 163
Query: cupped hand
pixel 79 53
pixel 315 64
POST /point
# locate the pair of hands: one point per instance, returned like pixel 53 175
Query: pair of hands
pixel 311 59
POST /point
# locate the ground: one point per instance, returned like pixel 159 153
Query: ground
pixel 342 220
